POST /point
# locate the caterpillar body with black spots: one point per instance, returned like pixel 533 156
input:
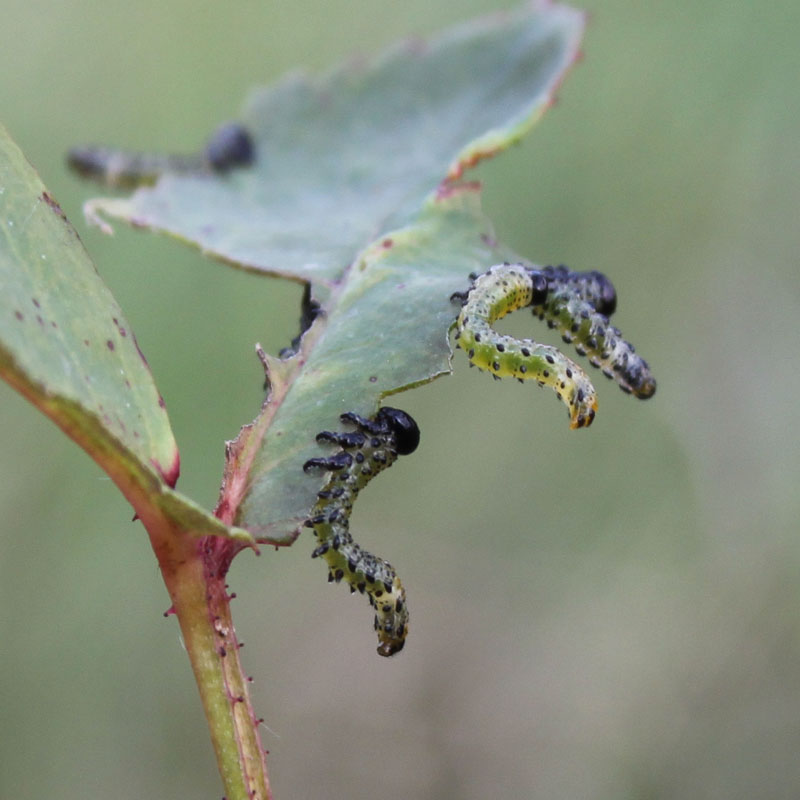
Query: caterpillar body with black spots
pixel 578 305
pixel 229 146
pixel 370 448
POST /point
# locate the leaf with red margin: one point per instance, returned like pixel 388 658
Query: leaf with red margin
pixel 345 157
pixel 66 346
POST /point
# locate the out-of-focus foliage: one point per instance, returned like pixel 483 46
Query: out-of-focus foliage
pixel 345 157
pixel 611 613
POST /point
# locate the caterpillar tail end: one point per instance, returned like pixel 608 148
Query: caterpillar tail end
pixel 387 649
pixel 585 417
pixel 646 389
pixel 391 620
pixel 580 398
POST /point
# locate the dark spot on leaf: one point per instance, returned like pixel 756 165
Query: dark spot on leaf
pixel 19 315
pixel 109 344
pixel 387 243
pixel 39 319
pixel 86 342
pixel 48 198
pixel 141 354
pixel 36 302
pixel 373 378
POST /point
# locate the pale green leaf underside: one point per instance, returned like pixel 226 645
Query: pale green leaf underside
pixel 66 346
pixel 368 153
pixel 344 158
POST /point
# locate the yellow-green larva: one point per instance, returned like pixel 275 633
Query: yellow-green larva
pixel 577 305
pixel 229 146
pixel 372 447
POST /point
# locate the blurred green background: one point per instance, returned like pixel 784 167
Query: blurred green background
pixel 605 614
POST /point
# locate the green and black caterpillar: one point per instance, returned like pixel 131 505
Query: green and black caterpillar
pixel 372 447
pixel 229 146
pixel 578 305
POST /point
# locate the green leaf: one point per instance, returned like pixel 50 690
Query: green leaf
pixel 370 153
pixel 387 331
pixel 353 154
pixel 67 347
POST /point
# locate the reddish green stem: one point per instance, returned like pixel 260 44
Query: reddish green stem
pixel 194 570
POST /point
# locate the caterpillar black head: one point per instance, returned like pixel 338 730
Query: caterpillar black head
pixel 402 427
pixel 539 287
pixel 229 146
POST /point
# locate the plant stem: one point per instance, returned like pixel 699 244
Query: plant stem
pixel 194 570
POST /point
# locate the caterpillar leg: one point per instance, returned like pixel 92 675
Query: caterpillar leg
pixel 371 448
pixel 578 304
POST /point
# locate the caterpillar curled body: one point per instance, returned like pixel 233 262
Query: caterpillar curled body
pixel 372 447
pixel 578 305
pixel 229 146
